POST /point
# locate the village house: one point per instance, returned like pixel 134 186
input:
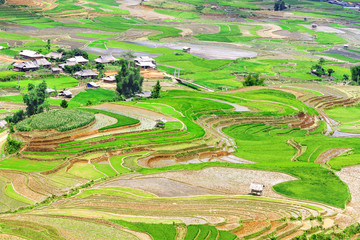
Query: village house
pixel 56 70
pixel 42 62
pixel 109 79
pixel 256 189
pixel 88 73
pixel 65 93
pixel 92 85
pixel 25 66
pixel 31 65
pixel 54 55
pixel 186 49
pixel 73 61
pixel 105 59
pixel 29 54
pixel 145 62
pixel 49 90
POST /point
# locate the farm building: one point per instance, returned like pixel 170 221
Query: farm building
pixel 78 60
pixel 145 62
pixel 67 64
pixel 42 62
pixel 256 189
pixel 56 70
pixel 25 66
pixel 160 123
pixel 86 74
pixel 92 85
pixel 29 54
pixel 186 49
pixel 66 93
pixel 50 90
pixel 3 124
pixel 54 55
pixel 105 59
pixel 109 79
pixel 73 61
pixel 146 94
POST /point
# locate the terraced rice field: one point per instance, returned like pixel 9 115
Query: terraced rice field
pixel 102 169
pixel 136 182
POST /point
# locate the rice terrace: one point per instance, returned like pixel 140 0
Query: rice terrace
pixel 179 119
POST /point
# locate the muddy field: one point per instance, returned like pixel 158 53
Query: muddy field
pixel 223 181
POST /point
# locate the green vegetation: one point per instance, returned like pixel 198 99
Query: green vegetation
pixel 157 231
pixel 121 119
pixel 9 190
pixel 178 14
pixel 61 120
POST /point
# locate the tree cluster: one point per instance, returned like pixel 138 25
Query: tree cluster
pixel 155 93
pixel 318 69
pixel 2 1
pixel 35 99
pixel 355 75
pixel 279 5
pixel 253 80
pixel 17 117
pixel 128 81
pixel 12 145
pixel 72 69
pixel 71 53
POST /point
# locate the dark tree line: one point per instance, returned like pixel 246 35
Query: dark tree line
pixel 35 100
pixel 128 81
pixel 279 5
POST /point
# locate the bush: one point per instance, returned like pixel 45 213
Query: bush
pixel 12 145
pixel 253 80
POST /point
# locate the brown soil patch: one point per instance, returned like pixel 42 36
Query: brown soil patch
pixel 9 59
pixel 269 31
pixel 19 184
pixel 152 74
pixel 224 181
pixel 4 236
pixel 132 110
pixel 161 187
pixel 251 227
pixel 331 153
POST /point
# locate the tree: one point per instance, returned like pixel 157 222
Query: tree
pixel 318 70
pixel 17 117
pixel 279 5
pixel 253 80
pixel 346 77
pixel 35 99
pixel 355 74
pixel 330 71
pixel 128 55
pixel 64 104
pixel 129 81
pixel 2 1
pixel 155 93
pixel 321 61
pixel 48 45
pixel 79 52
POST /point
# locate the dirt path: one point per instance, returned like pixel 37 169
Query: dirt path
pixel 238 108
pixel 3 137
pixel 9 59
pixel 331 153
pixel 351 176
pixel 268 31
pixel 147 13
